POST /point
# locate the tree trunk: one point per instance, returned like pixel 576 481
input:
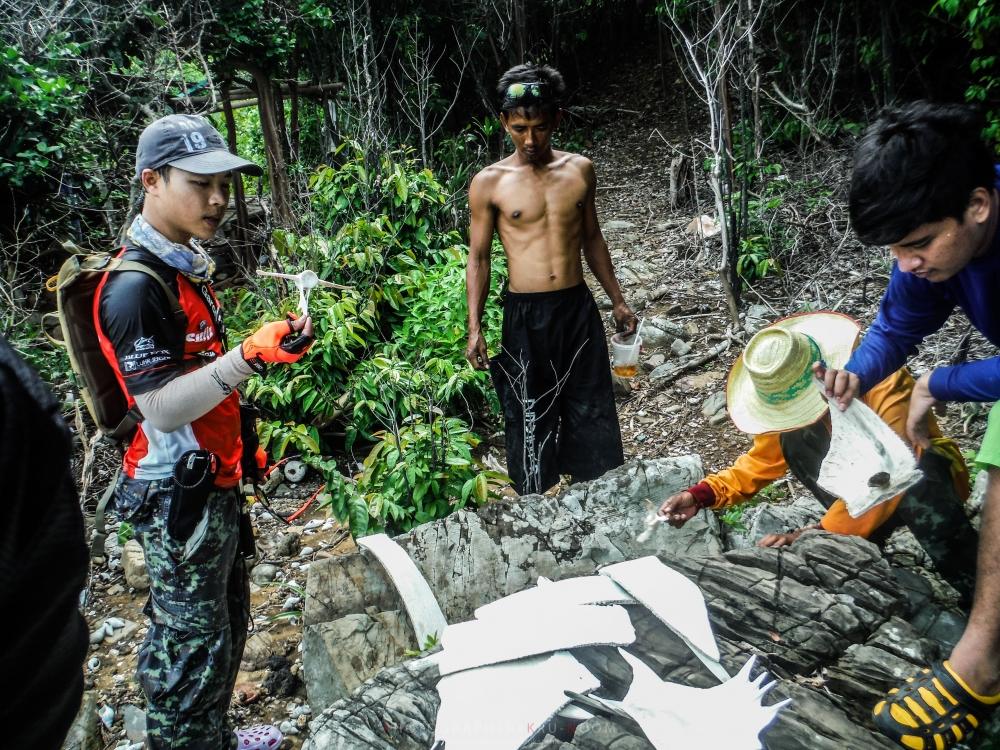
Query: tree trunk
pixel 277 169
pixel 247 258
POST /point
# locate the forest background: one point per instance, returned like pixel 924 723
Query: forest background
pixel 371 117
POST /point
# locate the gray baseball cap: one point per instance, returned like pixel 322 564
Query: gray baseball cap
pixel 188 142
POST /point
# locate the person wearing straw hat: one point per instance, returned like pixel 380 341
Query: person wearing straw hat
pixel 772 394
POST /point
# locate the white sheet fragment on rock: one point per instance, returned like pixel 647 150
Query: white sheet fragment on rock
pixel 498 707
pixel 675 600
pixel 673 716
pixel 510 634
pixel 867 463
pixel 569 591
pixel 421 606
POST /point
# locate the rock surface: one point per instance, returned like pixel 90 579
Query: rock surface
pixel 826 617
pixel 472 558
pixel 823 618
pixel 134 565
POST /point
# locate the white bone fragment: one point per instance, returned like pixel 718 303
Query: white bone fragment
pixel 569 592
pixel 675 600
pixel 867 463
pixel 418 599
pixel 499 707
pixel 509 635
pixel 673 716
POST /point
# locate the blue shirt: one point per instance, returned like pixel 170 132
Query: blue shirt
pixel 914 308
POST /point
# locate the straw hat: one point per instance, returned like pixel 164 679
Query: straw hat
pixel 771 387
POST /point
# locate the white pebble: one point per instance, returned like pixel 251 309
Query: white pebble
pixel 107 715
pixel 94 664
pixel 115 622
pixel 313 524
pixel 306 551
pixel 291 603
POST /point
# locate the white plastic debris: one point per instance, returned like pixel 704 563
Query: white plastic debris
pixel 421 606
pixel 304 282
pixel 507 635
pixel 499 707
pixel 569 591
pixel 675 716
pixel 675 600
pixel 867 463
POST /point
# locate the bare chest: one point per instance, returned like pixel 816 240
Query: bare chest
pixel 527 200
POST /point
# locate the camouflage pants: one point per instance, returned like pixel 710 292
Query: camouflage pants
pixel 931 508
pixel 198 610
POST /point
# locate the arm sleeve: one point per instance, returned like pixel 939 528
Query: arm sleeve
pixel 187 397
pixel 750 473
pixel 910 311
pixel 972 381
pixel 138 323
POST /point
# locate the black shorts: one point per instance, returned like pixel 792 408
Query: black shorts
pixel 553 378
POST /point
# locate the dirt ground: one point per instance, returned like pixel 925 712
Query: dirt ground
pixel 634 138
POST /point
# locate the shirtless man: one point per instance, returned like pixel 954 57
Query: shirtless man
pixel 552 375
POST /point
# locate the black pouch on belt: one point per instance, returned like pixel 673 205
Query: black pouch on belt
pixel 248 545
pixel 194 480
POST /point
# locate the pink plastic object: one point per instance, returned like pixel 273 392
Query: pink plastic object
pixel 260 737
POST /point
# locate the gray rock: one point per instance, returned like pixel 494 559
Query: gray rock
pixel 662 371
pixel 659 292
pixel 112 547
pixel 116 635
pixel 758 316
pixel 263 573
pixel 621 386
pixel 134 719
pixel 394 710
pixel 617 225
pixel 338 656
pixel 714 404
pixel 975 502
pixel 471 558
pixel 943 626
pixel 134 565
pixel 285 545
pixel 653 361
pixel 718 418
pixel 680 347
pixel 822 614
pixel 660 333
pixel 83 733
pixel 258 649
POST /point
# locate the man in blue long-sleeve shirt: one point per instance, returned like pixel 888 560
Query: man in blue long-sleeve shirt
pixel 924 183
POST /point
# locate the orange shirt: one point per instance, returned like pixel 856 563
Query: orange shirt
pixel 764 462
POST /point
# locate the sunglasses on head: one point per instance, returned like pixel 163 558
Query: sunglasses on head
pixel 525 91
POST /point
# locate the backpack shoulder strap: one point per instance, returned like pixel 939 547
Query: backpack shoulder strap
pixel 118 264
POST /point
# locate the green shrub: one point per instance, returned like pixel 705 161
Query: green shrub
pixel 414 474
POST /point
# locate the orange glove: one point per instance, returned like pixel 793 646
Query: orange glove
pixel 279 341
pixel 260 458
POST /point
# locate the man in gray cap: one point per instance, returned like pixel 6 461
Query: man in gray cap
pixel 179 486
